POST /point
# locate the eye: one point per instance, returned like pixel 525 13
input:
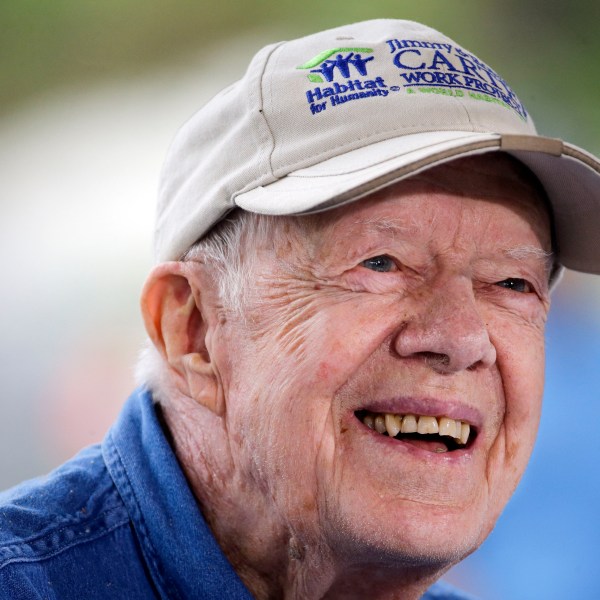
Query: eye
pixel 516 284
pixel 382 264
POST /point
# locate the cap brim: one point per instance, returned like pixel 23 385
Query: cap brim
pixel 570 176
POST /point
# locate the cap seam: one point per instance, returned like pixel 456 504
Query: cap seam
pixel 465 140
pixel 385 133
pixel 423 164
pixel 261 95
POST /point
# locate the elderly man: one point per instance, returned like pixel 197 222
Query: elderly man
pixel 355 247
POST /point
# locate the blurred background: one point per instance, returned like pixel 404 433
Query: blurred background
pixel 91 94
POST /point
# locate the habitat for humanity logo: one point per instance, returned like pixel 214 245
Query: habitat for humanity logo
pixel 323 69
pixel 342 63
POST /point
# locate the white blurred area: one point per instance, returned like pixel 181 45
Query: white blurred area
pixel 78 178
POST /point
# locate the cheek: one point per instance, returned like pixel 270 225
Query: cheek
pixel 283 383
pixel 315 350
pixel 349 335
pixel 521 363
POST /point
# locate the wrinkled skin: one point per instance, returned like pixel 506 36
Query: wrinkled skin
pixel 308 502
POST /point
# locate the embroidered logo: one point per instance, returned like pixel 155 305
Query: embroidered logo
pixel 327 66
pixel 346 70
pixel 339 76
pixel 441 68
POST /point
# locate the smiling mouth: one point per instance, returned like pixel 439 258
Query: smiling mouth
pixel 435 434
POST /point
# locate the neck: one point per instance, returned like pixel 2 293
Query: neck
pixel 270 555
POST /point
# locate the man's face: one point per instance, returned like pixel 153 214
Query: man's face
pixel 428 299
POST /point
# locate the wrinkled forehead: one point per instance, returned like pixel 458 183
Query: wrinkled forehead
pixel 491 176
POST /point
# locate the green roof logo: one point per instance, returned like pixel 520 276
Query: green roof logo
pixel 327 66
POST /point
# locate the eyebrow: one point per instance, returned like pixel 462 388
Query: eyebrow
pixel 398 227
pixel 527 252
pixel 384 225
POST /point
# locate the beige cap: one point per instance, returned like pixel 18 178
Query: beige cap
pixel 331 117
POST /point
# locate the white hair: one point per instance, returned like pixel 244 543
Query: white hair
pixel 229 250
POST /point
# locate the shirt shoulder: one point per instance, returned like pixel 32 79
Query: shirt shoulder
pixel 67 535
pixel 76 493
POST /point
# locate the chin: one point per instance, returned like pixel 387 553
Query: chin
pixel 405 534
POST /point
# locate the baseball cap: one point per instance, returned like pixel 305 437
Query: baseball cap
pixel 332 117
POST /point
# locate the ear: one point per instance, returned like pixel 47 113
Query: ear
pixel 177 324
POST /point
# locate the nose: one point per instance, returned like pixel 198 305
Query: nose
pixel 446 329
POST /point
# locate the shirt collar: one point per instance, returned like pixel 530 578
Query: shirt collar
pixel 182 555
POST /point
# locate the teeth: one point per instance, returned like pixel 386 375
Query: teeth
pixel 465 430
pixel 447 427
pixel 380 424
pixel 427 425
pixel 393 424
pixel 409 424
pixel 458 431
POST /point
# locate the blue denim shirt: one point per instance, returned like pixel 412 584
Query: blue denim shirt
pixel 118 521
